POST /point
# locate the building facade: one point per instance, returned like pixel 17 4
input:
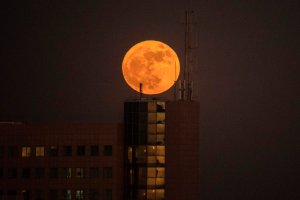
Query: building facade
pixel 153 156
pixel 61 161
pixel 144 129
pixel 161 150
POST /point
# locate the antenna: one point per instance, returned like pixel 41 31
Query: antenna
pixel 141 90
pixel 175 82
pixel 187 83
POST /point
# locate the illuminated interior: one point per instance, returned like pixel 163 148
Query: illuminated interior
pixel 145 150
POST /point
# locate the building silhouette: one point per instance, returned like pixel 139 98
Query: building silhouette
pixel 152 156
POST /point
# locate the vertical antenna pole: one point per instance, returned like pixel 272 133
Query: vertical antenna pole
pixel 175 82
pixel 141 90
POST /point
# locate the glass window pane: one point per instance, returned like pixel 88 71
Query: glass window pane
pixel 79 194
pixel 26 151
pixel 94 172
pixel 79 172
pixel 151 107
pixel 53 151
pixel 152 128
pixel 67 150
pixel 80 150
pixel 152 118
pixel 94 150
pixel 107 194
pixel 39 151
pixel 160 128
pixel 160 150
pixel 161 106
pixel 161 118
pixel 66 194
pixel 107 150
pixel 53 194
pixel 107 172
pixel 66 172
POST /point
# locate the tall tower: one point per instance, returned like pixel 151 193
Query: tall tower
pixel 161 137
pixel 144 123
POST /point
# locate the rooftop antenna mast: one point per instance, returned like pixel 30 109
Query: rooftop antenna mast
pixel 187 52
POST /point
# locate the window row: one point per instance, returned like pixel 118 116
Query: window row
pixel 52 151
pixel 54 194
pixel 66 172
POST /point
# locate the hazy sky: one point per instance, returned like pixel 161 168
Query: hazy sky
pixel 61 62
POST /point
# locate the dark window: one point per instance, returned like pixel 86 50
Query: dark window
pixel 1 151
pixel 12 151
pixel 94 172
pixel 67 150
pixel 107 150
pixel 66 194
pixel 39 194
pixel 25 195
pixel 26 173
pixel 12 173
pixel 80 150
pixel 93 194
pixel 1 173
pixel 107 194
pixel 39 172
pixel 53 194
pixel 95 150
pixel 1 194
pixel 66 172
pixel 12 194
pixel 107 172
pixel 53 151
pixel 53 173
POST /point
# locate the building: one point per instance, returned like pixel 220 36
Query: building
pixel 161 150
pixel 144 129
pixel 182 150
pixel 153 156
pixel 61 161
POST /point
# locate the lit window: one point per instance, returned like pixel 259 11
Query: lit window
pixel 66 194
pixel 67 150
pixel 79 195
pixel 39 151
pixel 107 172
pixel 26 151
pixel 79 172
pixel 26 173
pixel 107 150
pixel 53 151
pixel 94 150
pixel 66 172
pixel 94 172
pixel 80 150
pixel 107 194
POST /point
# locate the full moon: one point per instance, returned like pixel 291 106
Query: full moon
pixel 153 64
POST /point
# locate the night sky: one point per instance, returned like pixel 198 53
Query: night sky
pixel 61 62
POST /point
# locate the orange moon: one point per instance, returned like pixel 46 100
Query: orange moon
pixel 153 64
